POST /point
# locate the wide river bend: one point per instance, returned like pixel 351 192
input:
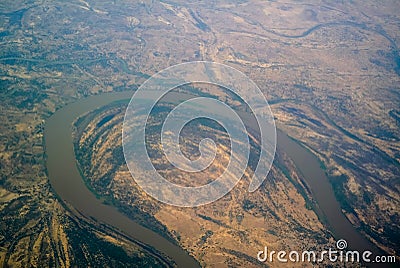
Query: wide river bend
pixel 67 182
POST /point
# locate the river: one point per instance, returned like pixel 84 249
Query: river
pixel 67 182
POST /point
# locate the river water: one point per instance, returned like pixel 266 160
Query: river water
pixel 67 182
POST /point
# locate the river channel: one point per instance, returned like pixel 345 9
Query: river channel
pixel 67 182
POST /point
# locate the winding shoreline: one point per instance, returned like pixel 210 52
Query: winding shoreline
pixel 67 182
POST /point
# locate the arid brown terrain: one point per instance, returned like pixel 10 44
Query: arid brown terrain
pixel 330 71
pixel 229 231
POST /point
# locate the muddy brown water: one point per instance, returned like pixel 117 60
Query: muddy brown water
pixel 67 182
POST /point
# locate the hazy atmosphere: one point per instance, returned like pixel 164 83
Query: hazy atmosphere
pixel 276 127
